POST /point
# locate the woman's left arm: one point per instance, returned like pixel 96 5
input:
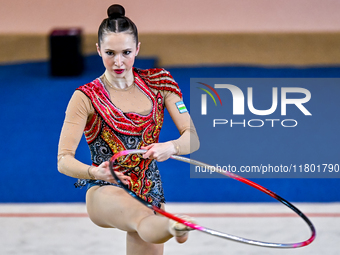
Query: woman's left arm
pixel 188 141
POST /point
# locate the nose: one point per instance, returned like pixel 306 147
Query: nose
pixel 118 60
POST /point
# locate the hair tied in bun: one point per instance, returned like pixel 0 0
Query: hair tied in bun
pixel 115 11
pixel 117 22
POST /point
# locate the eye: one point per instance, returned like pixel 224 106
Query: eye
pixel 109 53
pixel 127 52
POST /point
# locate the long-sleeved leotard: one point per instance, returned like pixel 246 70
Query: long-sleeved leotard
pixel 115 120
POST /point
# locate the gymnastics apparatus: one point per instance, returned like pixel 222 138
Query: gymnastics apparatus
pixel 211 231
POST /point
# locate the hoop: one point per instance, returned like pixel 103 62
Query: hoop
pixel 211 231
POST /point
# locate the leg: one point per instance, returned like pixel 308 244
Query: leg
pixel 136 246
pixel 110 206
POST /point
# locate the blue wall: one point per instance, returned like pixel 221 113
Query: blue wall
pixel 33 106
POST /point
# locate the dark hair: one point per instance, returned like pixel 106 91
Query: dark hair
pixel 116 23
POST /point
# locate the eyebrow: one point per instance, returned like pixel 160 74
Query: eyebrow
pixel 128 49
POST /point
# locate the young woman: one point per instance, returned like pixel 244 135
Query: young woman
pixel 123 109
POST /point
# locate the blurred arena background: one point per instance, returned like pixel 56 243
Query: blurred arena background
pixel 192 38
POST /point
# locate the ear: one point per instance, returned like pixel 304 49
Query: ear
pixel 138 48
pixel 98 49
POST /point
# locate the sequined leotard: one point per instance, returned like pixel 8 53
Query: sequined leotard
pixel 110 129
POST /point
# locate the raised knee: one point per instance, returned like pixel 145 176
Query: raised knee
pixel 142 217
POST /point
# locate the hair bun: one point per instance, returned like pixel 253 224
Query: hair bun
pixel 115 11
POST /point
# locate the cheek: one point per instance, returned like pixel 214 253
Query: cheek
pixel 107 61
pixel 130 61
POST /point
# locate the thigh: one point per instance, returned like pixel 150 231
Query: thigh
pixel 111 206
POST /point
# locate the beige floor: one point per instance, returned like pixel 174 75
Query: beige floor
pixel 45 229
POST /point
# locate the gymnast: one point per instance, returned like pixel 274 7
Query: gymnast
pixel 120 110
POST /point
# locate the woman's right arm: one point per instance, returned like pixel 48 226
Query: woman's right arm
pixel 77 113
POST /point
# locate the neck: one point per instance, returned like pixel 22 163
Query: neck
pixel 120 83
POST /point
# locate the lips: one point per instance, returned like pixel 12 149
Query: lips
pixel 119 71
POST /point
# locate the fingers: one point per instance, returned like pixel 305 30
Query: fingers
pixel 159 151
pixel 123 178
pixel 147 146
pixel 150 153
pixel 103 173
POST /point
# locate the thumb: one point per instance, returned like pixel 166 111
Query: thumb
pixel 147 147
pixel 149 152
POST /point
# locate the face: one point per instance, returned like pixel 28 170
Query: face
pixel 118 51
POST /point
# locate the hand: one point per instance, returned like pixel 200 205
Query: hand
pixel 159 151
pixel 102 172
